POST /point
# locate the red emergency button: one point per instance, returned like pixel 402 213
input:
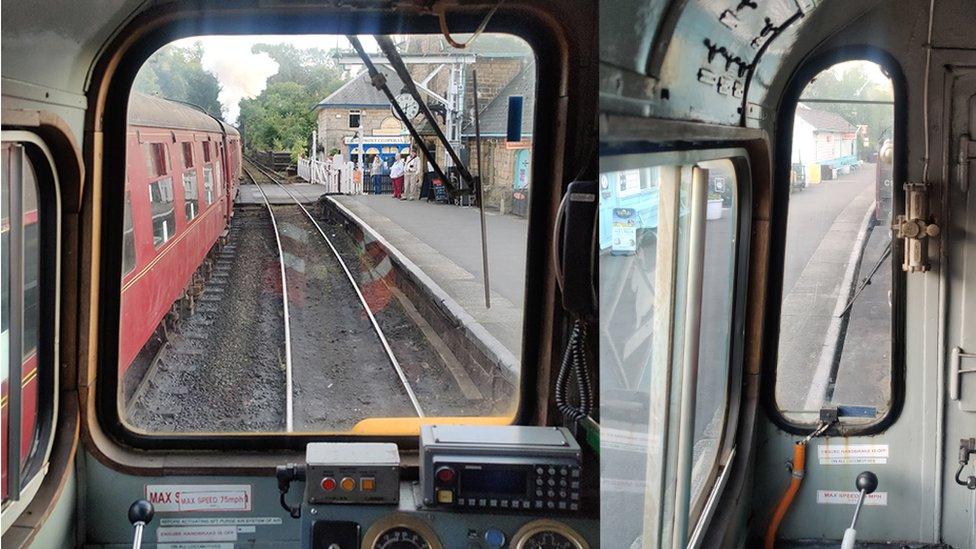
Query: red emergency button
pixel 328 484
pixel 445 475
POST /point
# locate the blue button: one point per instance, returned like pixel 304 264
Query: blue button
pixel 494 538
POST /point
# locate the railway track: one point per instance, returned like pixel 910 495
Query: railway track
pixel 289 389
pixel 219 368
pixel 293 225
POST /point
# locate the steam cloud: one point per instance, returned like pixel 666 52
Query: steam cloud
pixel 242 74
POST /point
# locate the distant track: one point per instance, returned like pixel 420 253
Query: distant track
pixel 274 178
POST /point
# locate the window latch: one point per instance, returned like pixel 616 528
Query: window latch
pixel 916 227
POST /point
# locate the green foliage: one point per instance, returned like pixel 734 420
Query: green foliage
pixel 177 73
pixel 855 83
pixel 281 117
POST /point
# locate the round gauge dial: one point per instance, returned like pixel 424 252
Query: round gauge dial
pixel 409 105
pixel 400 531
pixel 401 537
pixel 548 534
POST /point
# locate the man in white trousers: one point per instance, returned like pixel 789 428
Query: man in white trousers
pixel 412 173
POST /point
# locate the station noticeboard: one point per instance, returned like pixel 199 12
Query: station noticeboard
pixel 440 193
pixel 624 232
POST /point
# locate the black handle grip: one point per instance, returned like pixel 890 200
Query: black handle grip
pixel 867 482
pixel 141 511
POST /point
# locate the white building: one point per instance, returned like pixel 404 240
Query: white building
pixel 822 141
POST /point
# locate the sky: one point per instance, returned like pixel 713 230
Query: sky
pixel 242 74
pixel 871 70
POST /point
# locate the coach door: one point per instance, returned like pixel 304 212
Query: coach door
pixel 224 176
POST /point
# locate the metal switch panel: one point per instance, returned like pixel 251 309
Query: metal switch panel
pixel 352 473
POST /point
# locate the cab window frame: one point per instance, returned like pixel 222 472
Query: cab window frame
pixel 779 217
pixel 38 461
pixel 114 74
pixel 702 506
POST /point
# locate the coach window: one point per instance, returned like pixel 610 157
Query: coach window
pixel 187 154
pixel 208 183
pixel 157 159
pixel 835 345
pixel 189 183
pixel 189 195
pixel 163 216
pixel 28 385
pixel 218 178
pixel 669 239
pixel 350 327
pixel 128 237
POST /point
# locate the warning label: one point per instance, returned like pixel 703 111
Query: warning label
pixel 174 498
pixel 195 546
pixel 841 497
pixel 220 521
pixel 196 533
pixel 852 454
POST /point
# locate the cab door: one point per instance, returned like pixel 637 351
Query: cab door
pixel 959 514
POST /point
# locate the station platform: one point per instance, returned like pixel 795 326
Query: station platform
pixel 445 242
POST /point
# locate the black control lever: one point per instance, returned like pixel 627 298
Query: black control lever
pixel 866 483
pixel 140 514
pixel 285 475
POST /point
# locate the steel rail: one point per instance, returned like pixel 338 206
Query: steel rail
pixel 289 401
pixel 362 299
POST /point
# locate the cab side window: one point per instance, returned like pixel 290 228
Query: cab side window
pixel 669 239
pixel 27 378
pixel 836 347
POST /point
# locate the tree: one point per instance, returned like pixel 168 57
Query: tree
pixel 855 83
pixel 281 117
pixel 177 73
pixel 313 68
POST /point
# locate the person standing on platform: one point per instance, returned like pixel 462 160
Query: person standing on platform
pixel 396 175
pixel 412 172
pixel 374 171
pixel 430 176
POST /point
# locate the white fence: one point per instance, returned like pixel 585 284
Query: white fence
pixel 336 177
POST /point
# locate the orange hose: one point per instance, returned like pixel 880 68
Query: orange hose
pixel 799 463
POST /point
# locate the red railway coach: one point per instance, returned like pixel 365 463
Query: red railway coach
pixel 182 172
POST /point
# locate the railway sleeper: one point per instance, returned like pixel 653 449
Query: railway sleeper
pixel 191 301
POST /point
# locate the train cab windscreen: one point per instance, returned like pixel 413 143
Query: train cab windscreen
pixel 325 234
pixel 835 329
